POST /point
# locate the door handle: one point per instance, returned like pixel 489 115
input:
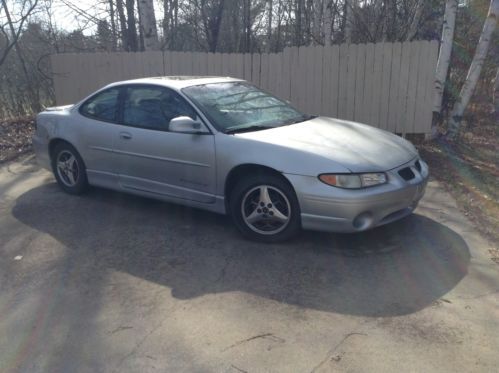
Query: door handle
pixel 125 135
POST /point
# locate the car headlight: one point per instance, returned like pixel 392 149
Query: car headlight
pixel 354 181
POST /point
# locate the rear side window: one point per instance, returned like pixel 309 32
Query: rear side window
pixel 153 107
pixel 103 106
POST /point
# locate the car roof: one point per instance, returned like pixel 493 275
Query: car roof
pixel 177 82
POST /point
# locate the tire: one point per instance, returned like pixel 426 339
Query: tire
pixel 262 220
pixel 69 169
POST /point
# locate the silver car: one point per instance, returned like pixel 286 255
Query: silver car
pixel 223 145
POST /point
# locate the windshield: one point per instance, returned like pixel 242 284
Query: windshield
pixel 239 106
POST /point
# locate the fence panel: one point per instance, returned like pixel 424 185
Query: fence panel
pixel 386 85
pixel 360 83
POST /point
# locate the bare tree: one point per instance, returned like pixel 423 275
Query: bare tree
pixel 349 17
pixel 327 13
pixel 33 96
pixel 113 24
pixel 14 26
pixel 211 13
pixel 495 94
pixel 474 71
pixel 413 28
pixel 123 25
pixel 132 37
pixel 148 24
pixel 299 10
pixel 269 25
pixel 444 54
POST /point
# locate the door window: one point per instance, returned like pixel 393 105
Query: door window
pixel 103 106
pixel 154 107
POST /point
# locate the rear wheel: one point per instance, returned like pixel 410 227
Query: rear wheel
pixel 265 208
pixel 69 169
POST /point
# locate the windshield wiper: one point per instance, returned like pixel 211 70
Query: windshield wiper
pixel 255 127
pixel 303 118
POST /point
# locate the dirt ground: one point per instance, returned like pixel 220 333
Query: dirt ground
pixel 15 137
pixel 107 282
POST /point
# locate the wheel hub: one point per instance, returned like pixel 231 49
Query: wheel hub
pixel 266 210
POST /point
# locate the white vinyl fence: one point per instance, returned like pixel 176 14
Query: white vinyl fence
pixel 386 85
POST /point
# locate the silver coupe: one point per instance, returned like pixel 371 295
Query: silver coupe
pixel 223 145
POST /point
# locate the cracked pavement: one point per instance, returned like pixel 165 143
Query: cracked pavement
pixel 108 282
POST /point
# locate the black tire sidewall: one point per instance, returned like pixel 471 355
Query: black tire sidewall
pixel 82 183
pixel 246 184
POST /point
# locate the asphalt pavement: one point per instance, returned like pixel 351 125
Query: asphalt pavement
pixel 108 282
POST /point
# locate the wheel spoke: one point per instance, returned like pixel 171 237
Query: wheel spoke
pixel 71 162
pixel 279 216
pixel 61 165
pixel 70 175
pixel 264 195
pixel 253 217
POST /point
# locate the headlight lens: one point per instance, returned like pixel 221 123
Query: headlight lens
pixel 354 181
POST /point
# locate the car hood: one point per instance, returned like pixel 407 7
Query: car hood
pixel 358 147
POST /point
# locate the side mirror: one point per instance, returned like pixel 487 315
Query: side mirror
pixel 187 125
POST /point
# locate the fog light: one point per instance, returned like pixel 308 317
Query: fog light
pixel 363 221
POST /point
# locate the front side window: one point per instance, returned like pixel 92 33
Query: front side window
pixel 154 107
pixel 238 106
pixel 102 106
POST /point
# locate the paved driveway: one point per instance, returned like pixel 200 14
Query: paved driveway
pixel 115 283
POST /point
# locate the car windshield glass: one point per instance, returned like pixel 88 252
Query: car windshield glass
pixel 239 106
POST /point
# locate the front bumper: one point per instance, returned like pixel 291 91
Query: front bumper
pixel 330 209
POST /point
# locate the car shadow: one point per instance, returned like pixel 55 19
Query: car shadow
pixel 392 270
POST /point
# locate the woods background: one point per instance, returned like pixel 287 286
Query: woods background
pixel 32 30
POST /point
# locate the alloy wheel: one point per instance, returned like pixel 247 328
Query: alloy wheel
pixel 266 210
pixel 67 168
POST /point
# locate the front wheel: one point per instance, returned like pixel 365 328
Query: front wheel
pixel 265 208
pixel 69 169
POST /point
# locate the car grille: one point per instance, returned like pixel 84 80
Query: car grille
pixel 407 174
pixel 418 165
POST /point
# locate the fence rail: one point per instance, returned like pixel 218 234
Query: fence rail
pixel 386 85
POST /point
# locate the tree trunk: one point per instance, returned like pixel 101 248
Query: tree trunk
pixel 347 27
pixel 413 28
pixel 148 25
pixel 269 26
pixel 174 25
pixel 212 20
pixel 298 25
pixel 247 25
pixel 495 95
pixel 131 26
pixel 474 71
pixel 123 27
pixel 113 25
pixel 317 16
pixel 390 19
pixel 279 20
pixel 327 22
pixel 445 53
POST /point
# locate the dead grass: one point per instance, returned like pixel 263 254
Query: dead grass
pixel 469 170
pixel 15 137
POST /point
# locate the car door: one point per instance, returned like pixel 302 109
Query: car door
pixel 98 117
pixel 155 160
